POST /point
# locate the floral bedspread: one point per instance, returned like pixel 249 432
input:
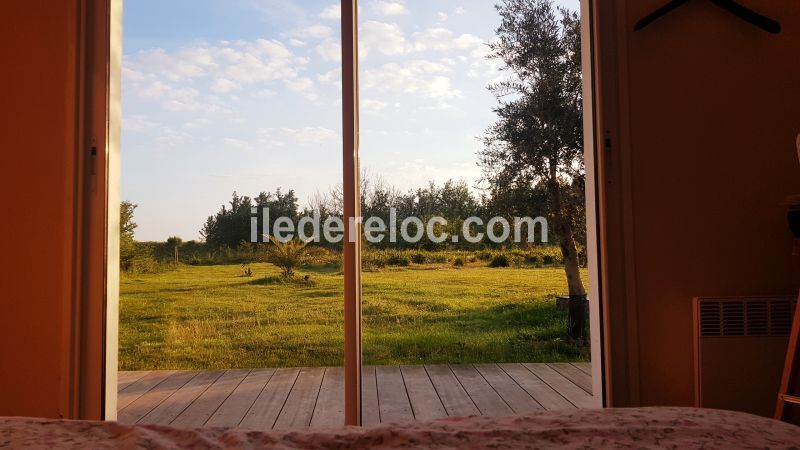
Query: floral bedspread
pixel 679 428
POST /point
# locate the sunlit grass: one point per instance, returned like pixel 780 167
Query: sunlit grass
pixel 204 317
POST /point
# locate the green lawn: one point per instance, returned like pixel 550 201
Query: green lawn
pixel 204 317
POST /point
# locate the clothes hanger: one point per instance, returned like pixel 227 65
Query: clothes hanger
pixel 742 12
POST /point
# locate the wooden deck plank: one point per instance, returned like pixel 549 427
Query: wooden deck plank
pixel 154 397
pixel 299 406
pixel 575 375
pixel 585 367
pixel 488 402
pixel 370 410
pixel 392 396
pixel 515 397
pixel 206 404
pixel 140 387
pixel 538 389
pixel 234 408
pixel 125 379
pixel 562 385
pixel 263 399
pixel 265 410
pixel 171 407
pixel 455 399
pixel 425 402
pixel 329 409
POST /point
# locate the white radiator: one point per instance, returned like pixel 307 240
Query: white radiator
pixel 739 351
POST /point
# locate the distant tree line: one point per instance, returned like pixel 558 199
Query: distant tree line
pixel 230 226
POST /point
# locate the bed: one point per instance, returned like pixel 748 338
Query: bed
pixel 610 428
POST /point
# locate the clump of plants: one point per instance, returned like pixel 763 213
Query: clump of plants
pixel 458 262
pixel 398 259
pixel 419 258
pixel 290 255
pixel 484 255
pixel 247 271
pixel 499 260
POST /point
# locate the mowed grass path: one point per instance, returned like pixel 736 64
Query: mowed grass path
pixel 210 317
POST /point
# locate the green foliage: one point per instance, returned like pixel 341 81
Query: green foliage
pixel 398 259
pixel 418 258
pixel 143 261
pixel 231 225
pixel 534 151
pixel 499 260
pixel 127 246
pixel 175 241
pixel 290 255
pixel 533 256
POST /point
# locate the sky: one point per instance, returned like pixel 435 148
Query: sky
pixel 245 95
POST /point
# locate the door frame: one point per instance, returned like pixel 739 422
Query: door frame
pixel 351 182
pixel 96 344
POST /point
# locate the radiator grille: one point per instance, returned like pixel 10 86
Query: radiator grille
pixel 746 317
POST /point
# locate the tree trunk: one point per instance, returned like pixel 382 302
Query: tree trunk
pixel 577 293
pixel 572 268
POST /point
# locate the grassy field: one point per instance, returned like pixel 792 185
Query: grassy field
pixel 204 317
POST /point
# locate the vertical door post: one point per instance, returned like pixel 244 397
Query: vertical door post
pixel 352 214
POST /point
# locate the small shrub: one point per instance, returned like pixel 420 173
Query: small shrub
pixel 397 259
pixel 548 260
pixel 534 259
pixel 247 272
pixel 419 258
pixel 499 260
pixel 373 260
pixel 484 255
pixel 437 257
pixel 290 255
pixel 458 262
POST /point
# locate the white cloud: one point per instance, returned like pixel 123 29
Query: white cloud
pixel 389 8
pixel 138 124
pixel 196 106
pixel 196 123
pixel 442 39
pixel 418 77
pixel 442 16
pixel 240 61
pixel 176 79
pixel 223 86
pixel 332 77
pixel 236 144
pixel 297 43
pixel 330 50
pixel 185 63
pixel 385 38
pixel 300 85
pixel 373 105
pixel 296 136
pixel 332 12
pixel 130 75
pixel 171 138
pixel 313 32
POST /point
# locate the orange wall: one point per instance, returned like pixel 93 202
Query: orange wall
pixel 710 109
pixel 37 138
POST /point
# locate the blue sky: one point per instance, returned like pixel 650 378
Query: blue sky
pixel 224 95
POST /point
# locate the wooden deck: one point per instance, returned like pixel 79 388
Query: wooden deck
pixel 264 399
